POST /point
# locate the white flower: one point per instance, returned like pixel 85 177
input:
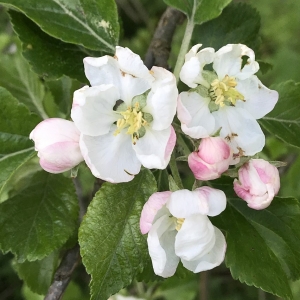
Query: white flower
pixel 230 97
pixel 57 143
pixel 125 117
pixel 178 229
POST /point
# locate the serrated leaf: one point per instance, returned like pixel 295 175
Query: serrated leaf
pixel 200 10
pixel 284 120
pixel 238 23
pixel 113 249
pixel 50 58
pixel 267 240
pixel 39 220
pixel 24 85
pixel 38 274
pixel 90 23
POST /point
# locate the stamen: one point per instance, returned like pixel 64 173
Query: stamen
pixel 179 222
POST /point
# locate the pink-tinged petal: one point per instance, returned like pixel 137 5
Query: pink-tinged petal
pixel 151 148
pixel 184 203
pixel 240 129
pixel 228 61
pixel 110 157
pixel 132 64
pixel 259 100
pixel 212 259
pixel 216 199
pixel 92 110
pixel 161 247
pixel 150 209
pixel 170 145
pixel 194 115
pixel 60 157
pixel 162 99
pixel 54 130
pixel 195 238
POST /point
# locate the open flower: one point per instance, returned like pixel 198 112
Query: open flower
pixel 57 143
pixel 258 183
pixel 211 160
pixel 229 98
pixel 178 229
pixel 125 117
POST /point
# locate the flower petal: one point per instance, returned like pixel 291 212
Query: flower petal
pixel 194 115
pixel 162 99
pixel 153 149
pixel 195 238
pixel 259 100
pixel 216 199
pixel 161 246
pixel 211 260
pixel 184 203
pixel 110 157
pixel 240 129
pixel 92 109
pixel 228 61
pixel 150 209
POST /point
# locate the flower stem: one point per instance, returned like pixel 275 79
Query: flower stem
pixel 175 173
pixel 185 43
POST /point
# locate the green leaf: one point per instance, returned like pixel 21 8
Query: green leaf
pixel 267 240
pixel 39 220
pixel 90 23
pixel 284 120
pixel 113 249
pixel 25 85
pixel 38 274
pixel 238 23
pixel 50 58
pixel 203 10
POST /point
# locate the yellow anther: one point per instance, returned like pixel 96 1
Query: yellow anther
pixel 179 222
pixel 224 90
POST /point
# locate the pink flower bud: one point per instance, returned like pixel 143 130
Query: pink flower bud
pixel 258 183
pixel 57 143
pixel 211 160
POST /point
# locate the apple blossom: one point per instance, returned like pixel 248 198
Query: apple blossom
pixel 178 229
pixel 211 160
pixel 230 98
pixel 57 143
pixel 125 116
pixel 258 183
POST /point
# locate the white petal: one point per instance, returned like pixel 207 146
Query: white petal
pixel 150 209
pixel 196 237
pixel 194 115
pixel 192 52
pixel 228 61
pixel 240 129
pixel 92 109
pixel 162 99
pixel 160 240
pixel 151 148
pixel 184 203
pixel 259 100
pixel 211 260
pixel 131 63
pixel 110 157
pixel 216 199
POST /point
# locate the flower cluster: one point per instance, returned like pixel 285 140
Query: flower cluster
pixel 124 121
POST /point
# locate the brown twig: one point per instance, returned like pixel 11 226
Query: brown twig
pixel 159 50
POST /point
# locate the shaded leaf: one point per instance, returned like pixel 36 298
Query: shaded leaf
pixel 284 120
pixel 238 23
pixel 200 10
pixel 113 249
pixel 40 219
pixel 90 23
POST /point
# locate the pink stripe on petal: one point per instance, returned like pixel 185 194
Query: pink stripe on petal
pixel 171 144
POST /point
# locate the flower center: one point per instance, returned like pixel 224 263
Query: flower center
pixel 179 222
pixel 132 118
pixel 223 92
